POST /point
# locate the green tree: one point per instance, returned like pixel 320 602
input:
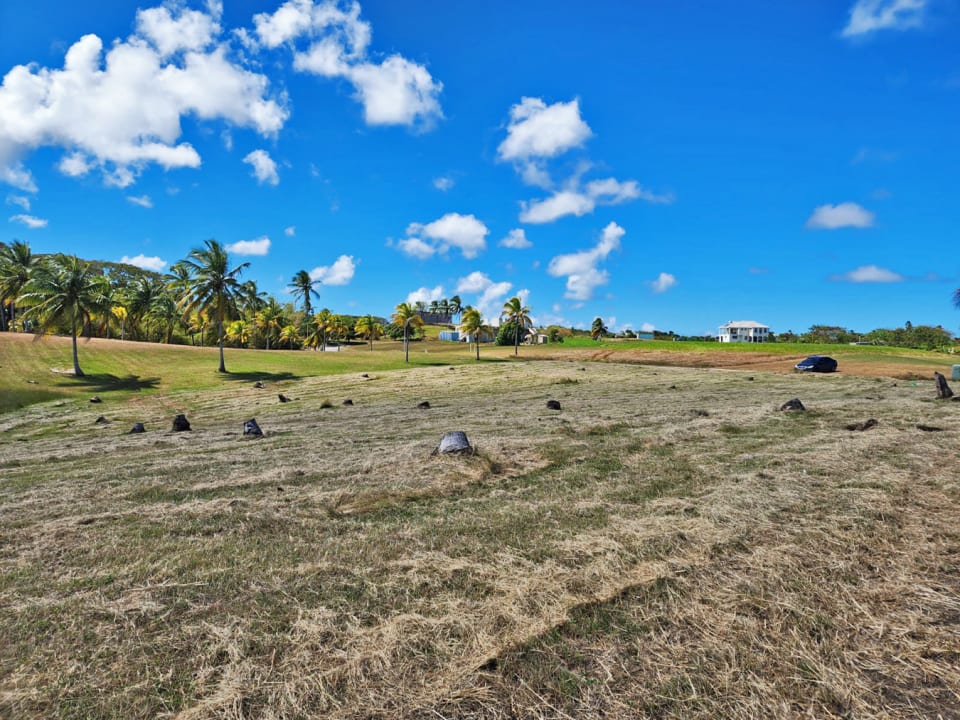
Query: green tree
pixel 164 316
pixel 239 332
pixel 302 287
pixel 16 263
pixel 320 326
pixel 289 334
pixel 403 316
pixel 598 329
pixel 213 287
pixel 368 328
pixel 456 305
pixel 269 320
pixel 471 324
pixel 64 291
pixel 516 312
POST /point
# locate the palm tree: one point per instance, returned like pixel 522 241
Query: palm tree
pixel 443 308
pixel 321 323
pixel 16 263
pixel 64 290
pixel 598 329
pixel 120 313
pixel 471 324
pixel 368 328
pixel 303 287
pixel 289 334
pixel 213 286
pixel 406 314
pixel 164 315
pixel 456 305
pixel 138 299
pixel 239 332
pixel 269 320
pixel 516 312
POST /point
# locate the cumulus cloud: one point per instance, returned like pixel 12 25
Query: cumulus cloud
pixel 516 239
pixel 869 274
pixel 30 221
pixel 290 231
pixel 867 16
pixel 340 273
pixel 490 295
pixel 832 217
pixel 264 168
pixel 538 130
pixel 463 232
pixel 143 201
pixel 664 282
pixel 121 110
pixel 580 200
pixel 332 42
pixel 260 246
pixel 425 295
pixel 580 268
pixel 19 200
pixel 157 264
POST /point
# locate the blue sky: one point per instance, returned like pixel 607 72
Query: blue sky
pixel 658 164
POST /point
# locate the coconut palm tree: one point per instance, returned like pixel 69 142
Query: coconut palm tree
pixel 64 291
pixel 456 305
pixel 368 328
pixel 471 324
pixel 16 263
pixel 164 316
pixel 598 329
pixel 289 334
pixel 406 314
pixel 269 320
pixel 138 298
pixel 303 287
pixel 320 323
pixel 213 286
pixel 239 332
pixel 516 312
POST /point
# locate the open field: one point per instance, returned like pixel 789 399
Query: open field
pixel 668 545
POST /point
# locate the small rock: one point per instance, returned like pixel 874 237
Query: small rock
pixel 251 429
pixel 283 398
pixel 32 382
pixel 137 428
pixel 180 423
pixel 943 390
pixel 96 399
pixel 101 420
pixel 673 387
pixel 553 404
pixel 365 375
pixel 454 443
pixel 425 405
pixel 794 404
pixel 348 401
pixel 750 378
pixel 259 385
pixel 861 426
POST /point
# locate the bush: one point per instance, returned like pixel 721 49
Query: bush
pixel 507 333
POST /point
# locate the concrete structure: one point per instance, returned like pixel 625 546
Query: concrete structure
pixel 744 331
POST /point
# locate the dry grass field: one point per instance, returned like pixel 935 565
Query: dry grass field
pixel 667 545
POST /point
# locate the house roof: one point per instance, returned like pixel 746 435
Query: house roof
pixel 744 324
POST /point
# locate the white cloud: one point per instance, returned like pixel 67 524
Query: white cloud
pixel 579 201
pixel 867 16
pixel 154 263
pixel 580 268
pixel 516 239
pixel 290 231
pixel 647 327
pixel 121 110
pixel 475 282
pixel 426 295
pixel 340 273
pixel 264 168
pixel 395 91
pixel 538 130
pixel 664 282
pixel 490 295
pixel 832 217
pixel 30 221
pixel 463 232
pixel 19 200
pixel 141 200
pixel 260 246
pixel 443 184
pixel 869 274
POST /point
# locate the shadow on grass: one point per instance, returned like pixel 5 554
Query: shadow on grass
pixel 105 382
pixel 16 399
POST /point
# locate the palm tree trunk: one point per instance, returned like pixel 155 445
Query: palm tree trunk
pixel 222 368
pixel 77 372
pixel 477 343
pixel 406 345
pixel 516 340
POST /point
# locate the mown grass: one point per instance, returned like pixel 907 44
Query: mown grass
pixel 668 544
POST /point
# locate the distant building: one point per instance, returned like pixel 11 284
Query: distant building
pixel 744 331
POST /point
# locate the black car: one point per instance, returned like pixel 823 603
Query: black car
pixel 817 363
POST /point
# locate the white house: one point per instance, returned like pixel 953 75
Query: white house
pixel 744 331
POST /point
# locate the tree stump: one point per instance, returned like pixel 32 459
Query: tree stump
pixel 425 405
pixel 553 404
pixel 283 398
pixel 251 429
pixel 101 421
pixel 180 423
pixel 137 428
pixel 454 443
pixel 348 401
pixel 792 405
pixel 943 390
